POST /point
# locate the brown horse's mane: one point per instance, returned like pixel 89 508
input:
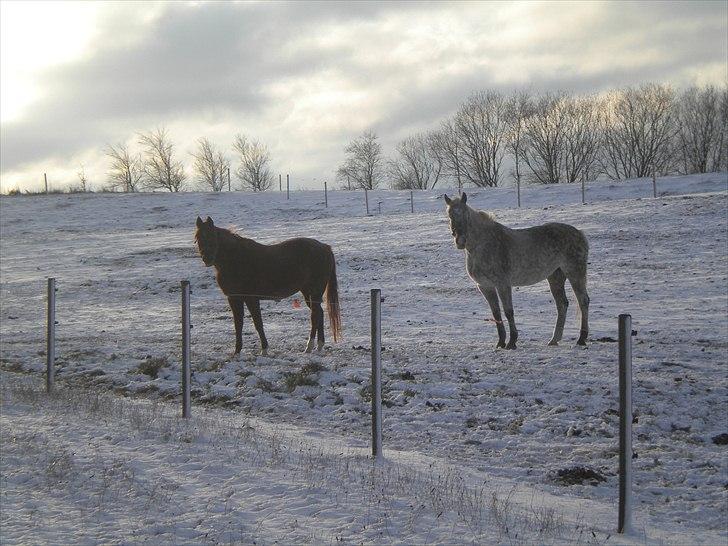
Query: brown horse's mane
pixel 228 234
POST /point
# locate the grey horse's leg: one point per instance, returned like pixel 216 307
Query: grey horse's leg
pixel 556 283
pixel 505 294
pixel 578 283
pixel 491 296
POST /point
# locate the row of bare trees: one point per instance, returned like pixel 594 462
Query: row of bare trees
pixel 555 137
pixel 156 165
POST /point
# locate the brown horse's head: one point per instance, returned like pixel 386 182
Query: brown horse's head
pixel 458 214
pixel 207 240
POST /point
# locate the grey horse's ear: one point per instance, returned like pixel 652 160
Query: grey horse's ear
pixel 464 198
pixel 209 222
pixel 199 222
pixel 447 199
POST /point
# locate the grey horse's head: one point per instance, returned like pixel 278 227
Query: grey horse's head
pixel 457 211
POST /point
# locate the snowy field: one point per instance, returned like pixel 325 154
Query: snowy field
pixel 277 448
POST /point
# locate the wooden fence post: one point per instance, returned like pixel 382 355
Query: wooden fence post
pixel 654 184
pixel 366 200
pixel 376 297
pixel 51 337
pixel 186 327
pixel 412 202
pixel 326 195
pixel 583 192
pixel 625 424
pixel 288 186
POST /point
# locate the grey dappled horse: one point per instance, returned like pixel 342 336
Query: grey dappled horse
pixel 498 257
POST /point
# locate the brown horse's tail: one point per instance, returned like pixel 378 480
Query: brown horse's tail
pixel 332 301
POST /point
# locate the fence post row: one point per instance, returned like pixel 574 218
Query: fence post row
pixel 625 424
pixel 51 336
pixel 186 327
pixel 376 296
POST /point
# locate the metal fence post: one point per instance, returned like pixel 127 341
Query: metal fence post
pixel 376 296
pixel 186 327
pixel 51 336
pixel 625 423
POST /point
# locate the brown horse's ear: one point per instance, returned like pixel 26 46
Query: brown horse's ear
pixel 464 198
pixel 209 222
pixel 199 222
pixel 447 199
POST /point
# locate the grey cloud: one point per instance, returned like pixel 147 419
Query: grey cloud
pixel 223 57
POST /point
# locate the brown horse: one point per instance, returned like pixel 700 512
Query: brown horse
pixel 248 272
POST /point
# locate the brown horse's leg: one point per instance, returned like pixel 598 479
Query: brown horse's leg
pixel 319 322
pixel 556 283
pixel 491 296
pixel 236 305
pixel 578 283
pixel 504 292
pixel 254 308
pixel 312 333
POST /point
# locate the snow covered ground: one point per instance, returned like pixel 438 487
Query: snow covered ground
pixel 454 406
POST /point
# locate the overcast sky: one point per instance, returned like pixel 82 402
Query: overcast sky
pixel 307 77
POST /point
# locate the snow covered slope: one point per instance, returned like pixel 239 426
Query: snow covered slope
pixel 519 416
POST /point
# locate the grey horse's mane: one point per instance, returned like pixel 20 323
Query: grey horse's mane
pixel 482 214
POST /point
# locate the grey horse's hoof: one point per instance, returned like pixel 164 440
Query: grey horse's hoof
pixel 501 345
pixel 553 343
pixel 511 345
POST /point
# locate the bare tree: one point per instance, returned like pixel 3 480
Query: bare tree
pixel 364 165
pixel 82 178
pixel 161 170
pixel 254 170
pixel 480 125
pixel 519 108
pixel 417 167
pixel 582 138
pixel 210 166
pixel 639 131
pixel 700 130
pixel 544 139
pixel 445 145
pixel 126 172
pixel 721 151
